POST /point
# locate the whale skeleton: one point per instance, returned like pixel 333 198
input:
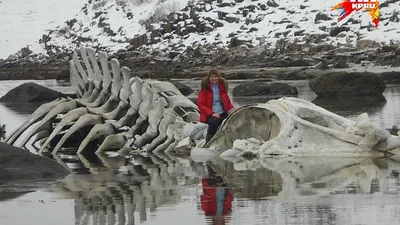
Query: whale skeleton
pixel 113 110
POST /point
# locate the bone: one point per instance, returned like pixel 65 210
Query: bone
pixel 43 127
pixel 40 136
pixel 168 118
pixel 97 75
pixel 173 135
pixel 93 89
pixel 60 108
pixel 82 75
pixel 35 117
pixel 134 101
pixel 71 116
pixel 116 82
pixel 123 96
pixel 117 90
pixel 109 85
pixel 76 80
pixel 97 131
pixel 145 106
pixel 115 141
pixel 154 118
pixel 85 120
pixel 126 91
pixel 172 93
pixel 106 107
pixel 101 81
pixel 106 85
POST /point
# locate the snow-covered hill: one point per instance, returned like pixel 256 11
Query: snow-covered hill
pixel 179 34
pixel 23 22
pixel 112 24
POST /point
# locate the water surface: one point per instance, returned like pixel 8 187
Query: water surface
pixel 161 189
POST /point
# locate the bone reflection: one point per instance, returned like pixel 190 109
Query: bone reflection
pixel 288 177
pixel 116 190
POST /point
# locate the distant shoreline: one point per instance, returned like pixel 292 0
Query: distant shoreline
pixel 277 73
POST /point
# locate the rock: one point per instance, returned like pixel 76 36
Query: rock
pixel 322 66
pixel 295 75
pixel 341 64
pixel 272 3
pixel 259 88
pixel 363 44
pixel 388 48
pixel 235 41
pixel 289 62
pixel 392 77
pixel 337 30
pixel 230 18
pixel 63 75
pixel 397 51
pixel 350 101
pixel 18 165
pixel 321 48
pixel 394 130
pixel 184 89
pixel 321 16
pixel 31 92
pixel 348 84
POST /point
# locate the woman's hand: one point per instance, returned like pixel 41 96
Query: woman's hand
pixel 216 115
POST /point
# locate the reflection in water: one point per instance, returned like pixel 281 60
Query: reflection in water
pixel 118 190
pixel 247 179
pixel 110 189
pixel 288 178
pixel 216 199
pixel 351 104
pixel 26 108
pixel 7 195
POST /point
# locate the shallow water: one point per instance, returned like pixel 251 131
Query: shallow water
pixel 166 189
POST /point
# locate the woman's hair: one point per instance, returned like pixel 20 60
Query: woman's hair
pixel 213 71
pixel 204 83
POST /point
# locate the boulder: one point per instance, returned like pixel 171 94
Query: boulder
pixel 290 62
pixel 260 88
pixel 348 84
pixel 63 74
pixel 392 77
pixel 184 89
pixel 341 64
pixel 18 165
pixel 31 92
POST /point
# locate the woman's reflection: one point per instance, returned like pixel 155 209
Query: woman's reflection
pixel 216 199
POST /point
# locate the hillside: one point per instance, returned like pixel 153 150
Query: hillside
pixel 182 34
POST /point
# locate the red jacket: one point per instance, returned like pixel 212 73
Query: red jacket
pixel 205 99
pixel 209 202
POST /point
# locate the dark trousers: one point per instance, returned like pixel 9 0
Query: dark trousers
pixel 213 124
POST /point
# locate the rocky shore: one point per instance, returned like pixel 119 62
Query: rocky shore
pixel 239 62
